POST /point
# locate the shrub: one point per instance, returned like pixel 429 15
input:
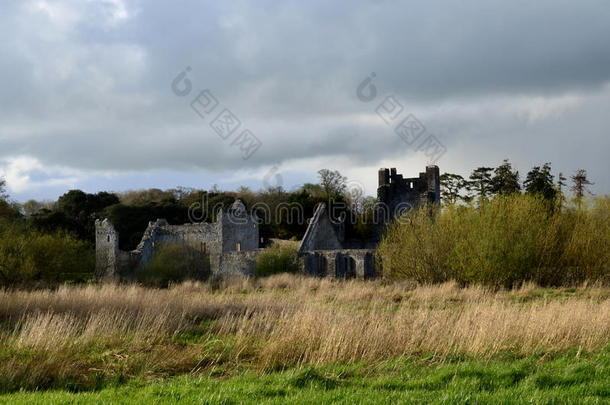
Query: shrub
pixel 277 259
pixel 31 257
pixel 587 246
pixel 173 263
pixel 502 242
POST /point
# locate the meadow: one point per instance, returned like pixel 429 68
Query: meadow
pixel 288 338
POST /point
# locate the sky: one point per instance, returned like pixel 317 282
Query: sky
pixel 117 94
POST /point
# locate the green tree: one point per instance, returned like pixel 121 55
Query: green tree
pixel 364 224
pixel 7 209
pixel 32 207
pixel 3 193
pixel 332 182
pixel 80 208
pixel 277 259
pixel 28 256
pixel 101 200
pixel 480 182
pixel 314 190
pixel 505 180
pixel 451 186
pixel 540 181
pixel 246 195
pixel 50 221
pixel 73 203
pixel 130 221
pixel 147 196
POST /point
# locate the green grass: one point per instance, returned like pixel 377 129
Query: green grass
pixel 564 379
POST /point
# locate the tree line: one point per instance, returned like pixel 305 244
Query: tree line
pixel 46 242
pixel 75 211
pixel 487 182
pixel 130 211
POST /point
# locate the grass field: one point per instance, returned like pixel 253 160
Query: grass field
pixel 302 340
pixel 582 379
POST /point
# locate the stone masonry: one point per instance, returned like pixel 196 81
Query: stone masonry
pixel 230 244
pixel 328 252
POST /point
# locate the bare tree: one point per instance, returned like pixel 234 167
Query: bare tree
pixel 579 187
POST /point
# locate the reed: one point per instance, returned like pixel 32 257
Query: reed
pixel 83 337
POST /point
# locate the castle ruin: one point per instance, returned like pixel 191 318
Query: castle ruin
pixel 230 245
pixel 328 251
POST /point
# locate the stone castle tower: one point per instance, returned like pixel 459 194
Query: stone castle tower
pixel 396 194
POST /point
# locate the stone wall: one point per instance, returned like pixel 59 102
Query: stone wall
pixel 396 194
pixel 342 263
pixel 328 251
pixel 203 237
pixel 235 264
pixel 321 234
pixel 228 242
pixel 107 261
pixel 239 232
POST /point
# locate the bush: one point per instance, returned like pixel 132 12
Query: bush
pixel 277 259
pixel 500 243
pixel 31 257
pixel 587 247
pixel 173 263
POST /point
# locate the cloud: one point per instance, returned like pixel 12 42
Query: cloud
pixel 89 91
pixel 27 173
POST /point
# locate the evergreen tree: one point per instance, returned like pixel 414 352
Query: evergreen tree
pixel 451 185
pixel 540 181
pixel 579 187
pixel 480 182
pixel 505 180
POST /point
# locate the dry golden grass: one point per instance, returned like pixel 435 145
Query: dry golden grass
pixel 87 334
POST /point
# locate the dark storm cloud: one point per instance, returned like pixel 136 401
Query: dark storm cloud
pixel 86 85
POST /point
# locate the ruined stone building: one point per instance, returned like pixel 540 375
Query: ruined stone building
pixel 328 251
pixel 396 194
pixel 230 244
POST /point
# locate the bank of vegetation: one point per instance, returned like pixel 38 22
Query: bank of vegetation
pixel 491 229
pixel 502 242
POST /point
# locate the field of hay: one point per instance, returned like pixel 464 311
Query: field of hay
pixel 83 338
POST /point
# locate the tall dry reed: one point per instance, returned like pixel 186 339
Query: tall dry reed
pixel 82 336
